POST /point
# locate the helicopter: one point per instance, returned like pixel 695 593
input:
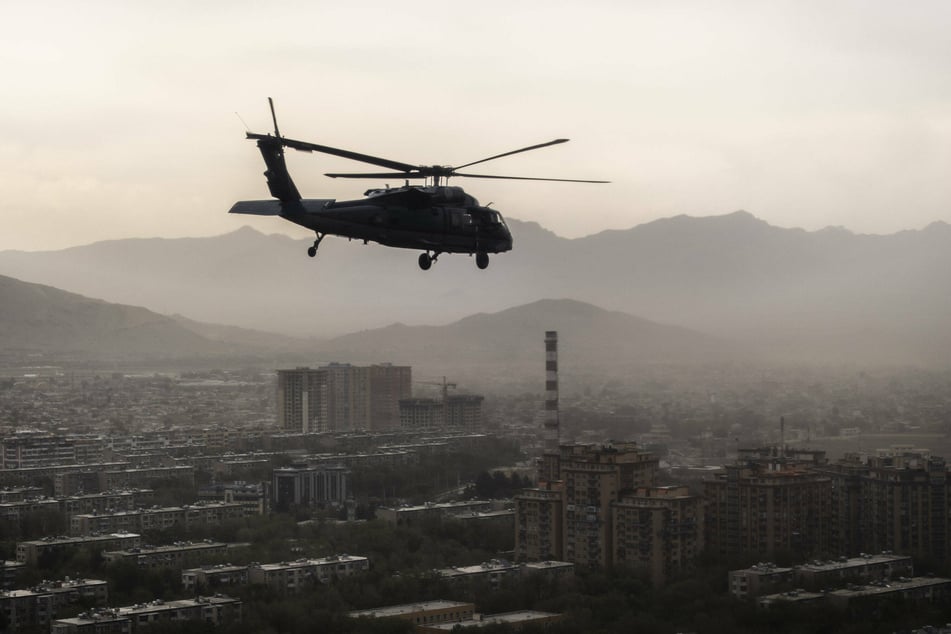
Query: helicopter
pixel 434 217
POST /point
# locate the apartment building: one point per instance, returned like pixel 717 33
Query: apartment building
pixel 767 508
pixel 658 529
pixel 341 397
pixel 570 515
pixel 169 556
pixel 898 500
pixel 421 614
pixel 200 514
pixel 33 551
pixel 216 610
pixel 297 576
pixel 199 580
pixel 539 525
pixel 310 486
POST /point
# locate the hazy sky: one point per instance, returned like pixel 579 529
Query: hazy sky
pixel 119 117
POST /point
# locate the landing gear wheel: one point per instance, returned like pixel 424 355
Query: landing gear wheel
pixel 482 259
pixel 312 250
pixel 425 261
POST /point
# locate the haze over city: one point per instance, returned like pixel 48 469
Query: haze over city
pixel 711 395
pixel 120 120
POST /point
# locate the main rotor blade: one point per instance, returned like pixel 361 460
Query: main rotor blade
pixel 304 146
pixel 524 149
pixel 379 175
pixel 529 178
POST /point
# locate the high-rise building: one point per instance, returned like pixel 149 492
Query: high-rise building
pixel 538 525
pixel 300 396
pixel 388 384
pixel 898 500
pixel 765 508
pixel 341 397
pixel 586 481
pixel 660 530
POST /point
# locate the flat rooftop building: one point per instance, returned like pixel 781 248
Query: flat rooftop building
pixel 514 620
pixel 295 576
pixel 30 551
pixel 217 610
pixel 422 613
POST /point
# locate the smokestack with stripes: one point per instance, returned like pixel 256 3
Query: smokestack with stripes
pixel 551 391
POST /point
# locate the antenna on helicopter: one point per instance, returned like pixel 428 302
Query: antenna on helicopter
pixel 277 132
pixel 243 122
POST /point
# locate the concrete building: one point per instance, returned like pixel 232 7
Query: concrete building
pixel 511 620
pixel 255 497
pixel 421 614
pixel 458 412
pixel 208 579
pixel 310 486
pixel 401 515
pixel 25 610
pixel 898 500
pixel 493 572
pixel 539 525
pixel 10 573
pixel 341 397
pixel 130 478
pixel 766 578
pixel 865 568
pixel 490 572
pixel 296 576
pixel 589 479
pixel 421 414
pixel 174 555
pixel 34 448
pixel 764 509
pixel 35 551
pixel 760 579
pixel 188 516
pixel 217 610
pixel 659 530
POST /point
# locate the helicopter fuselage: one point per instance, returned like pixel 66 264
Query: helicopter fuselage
pixel 439 219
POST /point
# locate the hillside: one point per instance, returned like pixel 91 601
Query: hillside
pixel 43 323
pixel 511 340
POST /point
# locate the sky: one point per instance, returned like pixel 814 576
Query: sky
pixel 127 119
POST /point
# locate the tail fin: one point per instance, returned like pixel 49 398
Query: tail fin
pixel 278 178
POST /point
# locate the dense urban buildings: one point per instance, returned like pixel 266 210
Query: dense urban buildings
pixel 598 506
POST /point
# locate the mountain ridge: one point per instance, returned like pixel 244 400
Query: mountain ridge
pixel 803 294
pixel 70 327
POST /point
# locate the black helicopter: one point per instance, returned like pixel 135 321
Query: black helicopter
pixel 433 217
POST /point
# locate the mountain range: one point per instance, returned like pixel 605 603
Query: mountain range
pixel 39 321
pixel 828 295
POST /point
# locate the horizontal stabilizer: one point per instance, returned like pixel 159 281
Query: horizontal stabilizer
pixel 257 207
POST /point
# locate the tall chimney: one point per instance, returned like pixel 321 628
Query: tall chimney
pixel 551 391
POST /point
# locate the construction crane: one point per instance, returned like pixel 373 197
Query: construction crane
pixel 445 385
